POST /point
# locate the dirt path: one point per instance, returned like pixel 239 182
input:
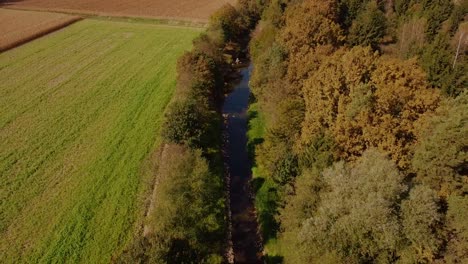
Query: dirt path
pixel 150 206
pixel 244 228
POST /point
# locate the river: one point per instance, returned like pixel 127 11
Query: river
pixel 245 237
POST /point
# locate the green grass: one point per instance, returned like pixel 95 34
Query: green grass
pixel 80 112
pixel 266 197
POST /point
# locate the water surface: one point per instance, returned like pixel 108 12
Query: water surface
pixel 245 236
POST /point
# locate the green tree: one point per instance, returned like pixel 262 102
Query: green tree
pixel 185 222
pixel 350 9
pixel 436 12
pixel 184 123
pixel 437 60
pixel 459 11
pixel 401 6
pixel 200 79
pixel 440 159
pixel 421 225
pixel 457 226
pixel 299 207
pixel 369 27
pixel 356 221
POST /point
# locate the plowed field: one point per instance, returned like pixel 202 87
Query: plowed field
pixel 195 10
pixel 18 27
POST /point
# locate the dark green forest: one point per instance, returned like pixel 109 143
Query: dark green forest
pixel 362 156
pixel 365 146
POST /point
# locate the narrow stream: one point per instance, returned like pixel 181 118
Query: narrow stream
pixel 244 229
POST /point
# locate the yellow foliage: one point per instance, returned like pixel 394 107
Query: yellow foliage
pixel 311 31
pixel 363 100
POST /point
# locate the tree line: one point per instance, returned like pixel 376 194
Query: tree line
pixel 365 105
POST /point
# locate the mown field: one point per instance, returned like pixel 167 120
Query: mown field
pixel 80 111
pixel 181 9
pixel 18 27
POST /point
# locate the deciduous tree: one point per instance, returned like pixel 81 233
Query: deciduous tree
pixel 356 221
pixel 440 158
pixel 421 225
pixel 365 101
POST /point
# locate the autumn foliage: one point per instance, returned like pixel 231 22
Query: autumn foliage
pixel 366 143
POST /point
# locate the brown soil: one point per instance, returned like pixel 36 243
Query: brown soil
pixel 19 27
pixel 193 10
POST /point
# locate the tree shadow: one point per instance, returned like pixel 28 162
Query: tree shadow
pixel 252 115
pixel 257 183
pixel 252 143
pixel 274 259
pixel 267 201
pixel 251 146
pixel 270 226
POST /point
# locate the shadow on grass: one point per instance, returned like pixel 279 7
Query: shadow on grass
pixel 257 183
pixel 253 142
pixel 273 259
pixel 251 149
pixel 266 202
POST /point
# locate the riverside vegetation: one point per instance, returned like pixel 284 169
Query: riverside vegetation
pixel 189 219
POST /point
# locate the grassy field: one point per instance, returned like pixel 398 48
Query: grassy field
pixel 18 27
pixel 80 111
